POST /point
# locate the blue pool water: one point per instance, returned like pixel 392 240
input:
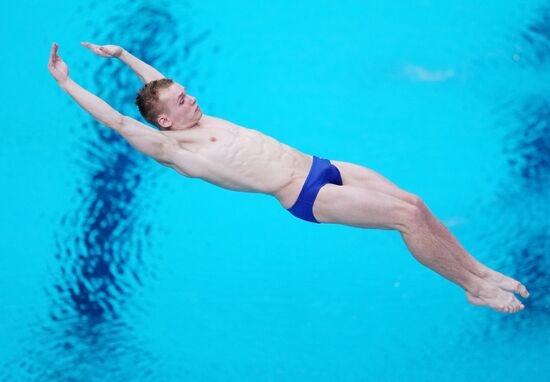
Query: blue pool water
pixel 113 268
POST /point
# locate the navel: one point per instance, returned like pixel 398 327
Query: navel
pixel 213 139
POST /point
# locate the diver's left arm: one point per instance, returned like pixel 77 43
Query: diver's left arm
pixel 144 71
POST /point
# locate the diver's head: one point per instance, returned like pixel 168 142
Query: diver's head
pixel 165 104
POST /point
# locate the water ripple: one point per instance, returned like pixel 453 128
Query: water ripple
pixel 104 239
pixel 528 146
pixel 513 226
pixel 537 37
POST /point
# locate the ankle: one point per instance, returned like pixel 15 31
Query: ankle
pixel 475 286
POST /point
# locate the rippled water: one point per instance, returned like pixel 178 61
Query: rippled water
pixel 116 269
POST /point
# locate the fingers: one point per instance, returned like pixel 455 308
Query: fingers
pixel 89 45
pixel 53 53
pixel 86 45
pixel 94 48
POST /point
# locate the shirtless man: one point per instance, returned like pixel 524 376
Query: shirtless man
pixel 311 188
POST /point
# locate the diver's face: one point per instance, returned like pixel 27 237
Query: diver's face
pixel 181 109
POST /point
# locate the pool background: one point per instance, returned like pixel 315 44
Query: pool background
pixel 114 268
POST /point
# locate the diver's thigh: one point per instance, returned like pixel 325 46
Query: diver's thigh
pixel 363 177
pixel 358 207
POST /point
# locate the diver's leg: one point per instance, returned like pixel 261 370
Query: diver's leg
pixel 372 209
pixel 359 176
pixel 467 260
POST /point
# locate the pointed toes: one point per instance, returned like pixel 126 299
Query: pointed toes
pixel 516 307
pixel 522 290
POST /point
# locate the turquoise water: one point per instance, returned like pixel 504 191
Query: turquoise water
pixel 114 268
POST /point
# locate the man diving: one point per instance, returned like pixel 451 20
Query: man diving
pixel 309 187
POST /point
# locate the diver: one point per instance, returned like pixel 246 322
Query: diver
pixel 311 188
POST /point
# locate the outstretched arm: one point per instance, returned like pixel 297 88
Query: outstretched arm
pixel 144 71
pixel 145 139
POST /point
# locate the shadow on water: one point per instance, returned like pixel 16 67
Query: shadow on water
pixel 516 229
pixel 524 200
pixel 537 36
pixel 528 149
pixel 104 239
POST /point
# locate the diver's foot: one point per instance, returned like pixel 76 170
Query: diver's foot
pixel 505 282
pixel 495 298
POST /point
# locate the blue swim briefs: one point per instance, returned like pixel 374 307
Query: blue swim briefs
pixel 321 173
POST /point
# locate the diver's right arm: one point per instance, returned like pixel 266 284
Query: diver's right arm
pixel 144 71
pixel 143 138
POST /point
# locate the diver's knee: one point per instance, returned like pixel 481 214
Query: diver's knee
pixel 414 199
pixel 412 218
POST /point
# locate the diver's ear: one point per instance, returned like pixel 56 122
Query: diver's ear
pixel 164 121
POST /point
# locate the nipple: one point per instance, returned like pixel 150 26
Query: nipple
pixel 213 139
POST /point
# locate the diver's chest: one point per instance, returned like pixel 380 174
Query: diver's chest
pixel 210 139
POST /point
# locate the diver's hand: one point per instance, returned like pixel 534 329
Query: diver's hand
pixel 57 67
pixel 104 50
